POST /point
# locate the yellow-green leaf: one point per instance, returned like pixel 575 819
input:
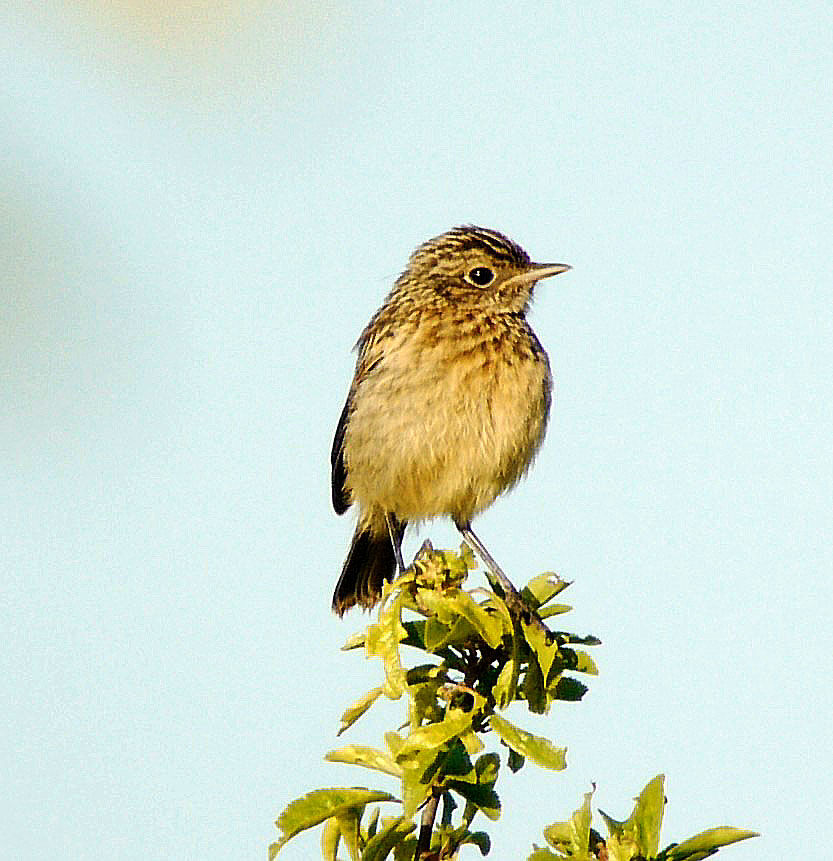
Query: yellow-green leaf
pixel 355 711
pixel 543 854
pixel 553 610
pixel 585 664
pixel 641 829
pixel 535 748
pixel 330 838
pixel 391 631
pixel 354 641
pixel 313 808
pixel 504 688
pixel 369 757
pixel 348 826
pixel 543 588
pixel 488 625
pixel 432 736
pixel 573 837
pixel 707 841
pixel 545 652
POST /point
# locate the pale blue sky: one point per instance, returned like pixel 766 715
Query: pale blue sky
pixel 202 209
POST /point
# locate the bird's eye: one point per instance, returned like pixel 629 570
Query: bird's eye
pixel 480 276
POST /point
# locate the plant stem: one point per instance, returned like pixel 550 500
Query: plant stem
pixel 426 825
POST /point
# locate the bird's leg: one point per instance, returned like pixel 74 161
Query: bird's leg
pixel 396 534
pixel 492 568
pixel 517 606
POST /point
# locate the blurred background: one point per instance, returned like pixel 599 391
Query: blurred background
pixel 202 204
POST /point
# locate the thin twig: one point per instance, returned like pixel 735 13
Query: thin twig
pixel 426 825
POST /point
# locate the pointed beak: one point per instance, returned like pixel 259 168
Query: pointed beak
pixel 546 270
pixel 538 271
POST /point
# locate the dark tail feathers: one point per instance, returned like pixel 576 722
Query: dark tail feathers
pixel 370 562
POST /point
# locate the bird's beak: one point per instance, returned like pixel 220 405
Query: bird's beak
pixel 538 271
pixel 546 270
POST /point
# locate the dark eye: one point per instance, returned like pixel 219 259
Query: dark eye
pixel 480 276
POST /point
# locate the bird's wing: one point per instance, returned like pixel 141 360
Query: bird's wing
pixel 341 499
pixel 371 352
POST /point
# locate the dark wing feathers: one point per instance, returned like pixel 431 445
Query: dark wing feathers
pixel 341 499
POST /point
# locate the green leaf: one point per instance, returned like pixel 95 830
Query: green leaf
pixel 415 788
pixel 575 640
pixel 380 846
pixel 457 763
pixel 543 588
pixel 481 796
pixel 437 634
pixel 535 748
pixel 554 610
pixel 539 854
pixel 640 831
pixel 502 690
pixel 391 632
pixel 546 652
pixel 573 838
pixel 472 742
pixel 488 625
pixel 354 641
pixel 440 605
pixel 405 850
pixel 533 688
pixel 372 822
pixel 432 736
pixel 313 808
pixel 480 839
pixel 487 768
pixel 585 664
pixel 708 841
pixel 348 826
pixel 330 838
pixel 568 689
pixel 355 711
pixel 516 761
pixel 369 757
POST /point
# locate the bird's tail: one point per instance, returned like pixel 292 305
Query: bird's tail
pixel 370 562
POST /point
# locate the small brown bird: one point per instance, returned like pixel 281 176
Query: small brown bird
pixel 448 405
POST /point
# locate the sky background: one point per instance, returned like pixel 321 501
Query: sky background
pixel 202 205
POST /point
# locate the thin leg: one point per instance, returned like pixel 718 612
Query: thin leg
pixel 395 532
pixel 517 606
pixel 493 568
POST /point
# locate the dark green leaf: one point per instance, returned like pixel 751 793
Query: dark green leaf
pixel 479 839
pixel 483 797
pixel 568 689
pixel 487 767
pixel 516 761
pixel 533 688
pixel 380 846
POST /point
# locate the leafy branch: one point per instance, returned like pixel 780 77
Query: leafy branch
pixel 478 658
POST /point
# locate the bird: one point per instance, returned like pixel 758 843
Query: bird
pixel 448 405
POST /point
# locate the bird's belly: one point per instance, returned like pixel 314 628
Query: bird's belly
pixel 445 432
